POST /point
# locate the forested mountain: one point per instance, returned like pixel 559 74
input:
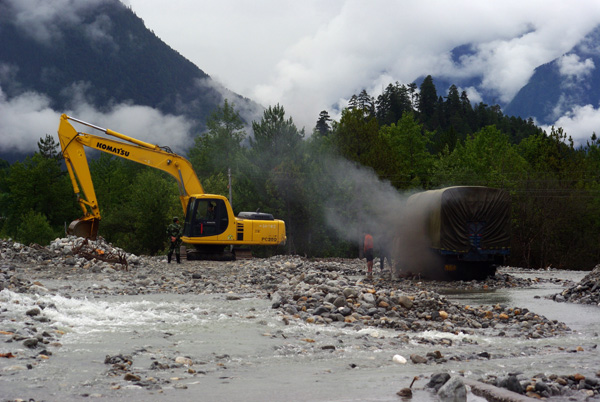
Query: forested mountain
pixel 104 53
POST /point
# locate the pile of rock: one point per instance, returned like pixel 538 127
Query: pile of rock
pixel 318 295
pixel 587 291
pixel 71 250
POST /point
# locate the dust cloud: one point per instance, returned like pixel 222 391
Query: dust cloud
pixel 359 202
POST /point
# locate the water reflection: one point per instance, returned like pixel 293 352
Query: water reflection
pixel 477 297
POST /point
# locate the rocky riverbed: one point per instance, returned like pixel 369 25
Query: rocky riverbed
pixel 299 291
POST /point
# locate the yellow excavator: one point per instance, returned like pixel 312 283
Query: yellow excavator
pixel 210 224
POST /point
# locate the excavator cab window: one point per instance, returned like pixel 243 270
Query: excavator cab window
pixel 205 217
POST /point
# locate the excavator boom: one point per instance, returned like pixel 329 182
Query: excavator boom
pixel 73 143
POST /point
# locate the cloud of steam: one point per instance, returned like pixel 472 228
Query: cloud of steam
pixel 27 118
pixel 365 204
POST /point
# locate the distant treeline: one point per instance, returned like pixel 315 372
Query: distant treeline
pixel 347 175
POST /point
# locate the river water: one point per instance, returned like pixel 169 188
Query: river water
pixel 242 350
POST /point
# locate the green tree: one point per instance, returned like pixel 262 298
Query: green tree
pixel 486 159
pixel 218 149
pixel 48 148
pixel 323 128
pixel 152 210
pixel 428 103
pixel 356 137
pixel 276 164
pixel 34 228
pixel 37 184
pixel 275 137
pixel 393 103
pixel 366 103
pixel 552 210
pixel 137 222
pixel 409 144
pixel 4 193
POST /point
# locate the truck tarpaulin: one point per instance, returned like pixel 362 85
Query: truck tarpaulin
pixel 459 218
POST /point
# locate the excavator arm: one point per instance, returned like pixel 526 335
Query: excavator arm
pixel 72 144
pixel 210 224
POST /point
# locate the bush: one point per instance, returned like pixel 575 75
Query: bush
pixel 34 228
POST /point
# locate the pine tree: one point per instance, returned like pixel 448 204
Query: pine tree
pixel 323 127
pixel 48 148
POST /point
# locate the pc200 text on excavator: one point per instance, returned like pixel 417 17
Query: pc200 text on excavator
pixel 210 224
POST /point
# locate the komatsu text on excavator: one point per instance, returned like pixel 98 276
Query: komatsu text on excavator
pixel 210 224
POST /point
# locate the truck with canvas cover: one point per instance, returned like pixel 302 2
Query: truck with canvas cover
pixel 465 230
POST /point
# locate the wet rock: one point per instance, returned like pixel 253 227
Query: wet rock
pixel 417 359
pixel 184 360
pixel 453 390
pixel 31 342
pixel 368 298
pixel 159 366
pixel 276 300
pixel 405 393
pixel 405 302
pixel 131 377
pixel 512 383
pixel 33 312
pixel 339 301
pixel 350 293
pixel 117 359
pixel 437 381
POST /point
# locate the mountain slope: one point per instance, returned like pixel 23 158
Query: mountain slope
pixel 561 85
pixel 99 52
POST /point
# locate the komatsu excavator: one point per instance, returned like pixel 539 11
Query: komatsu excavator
pixel 210 224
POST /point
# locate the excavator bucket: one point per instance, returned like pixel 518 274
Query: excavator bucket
pixel 84 228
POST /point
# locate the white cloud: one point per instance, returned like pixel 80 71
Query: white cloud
pixel 24 120
pixel 579 123
pixel 27 118
pixel 473 95
pixel 572 66
pixel 140 122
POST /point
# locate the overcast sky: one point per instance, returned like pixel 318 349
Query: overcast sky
pixel 312 55
pixel 309 55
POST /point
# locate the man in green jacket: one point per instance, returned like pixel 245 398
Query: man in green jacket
pixel 174 232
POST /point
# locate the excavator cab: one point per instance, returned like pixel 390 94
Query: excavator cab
pixel 205 217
